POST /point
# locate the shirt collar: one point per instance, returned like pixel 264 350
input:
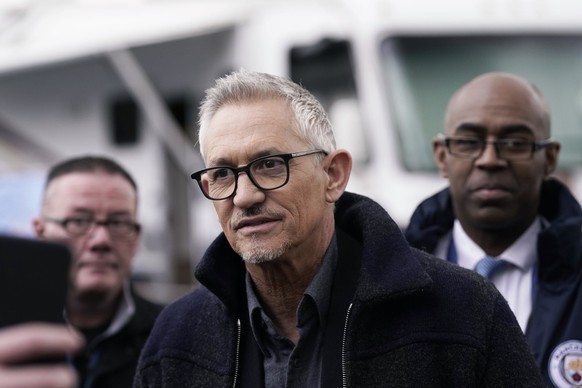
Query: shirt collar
pixel 522 253
pixel 125 311
pixel 320 287
pixel 319 290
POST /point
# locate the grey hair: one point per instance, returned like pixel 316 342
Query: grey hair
pixel 312 121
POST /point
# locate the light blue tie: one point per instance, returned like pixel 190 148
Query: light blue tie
pixel 488 266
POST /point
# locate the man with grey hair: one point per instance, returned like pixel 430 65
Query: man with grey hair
pixel 311 286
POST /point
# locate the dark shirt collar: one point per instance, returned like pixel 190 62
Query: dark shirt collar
pixel 319 290
pixel 320 287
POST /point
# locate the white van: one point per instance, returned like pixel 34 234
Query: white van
pixel 95 77
pixel 386 69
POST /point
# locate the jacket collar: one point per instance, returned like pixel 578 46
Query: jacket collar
pixel 389 268
pixel 559 244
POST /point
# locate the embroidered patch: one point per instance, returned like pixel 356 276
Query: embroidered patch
pixel 565 366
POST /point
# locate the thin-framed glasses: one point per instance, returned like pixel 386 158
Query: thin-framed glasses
pixel 79 226
pixel 507 149
pixel 267 173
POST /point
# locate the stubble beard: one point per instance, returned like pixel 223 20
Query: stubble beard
pixel 258 253
pixel 257 250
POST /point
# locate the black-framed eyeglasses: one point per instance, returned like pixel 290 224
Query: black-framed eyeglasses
pixel 79 226
pixel 507 149
pixel 267 173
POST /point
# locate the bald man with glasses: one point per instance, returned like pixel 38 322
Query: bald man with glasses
pixel 505 217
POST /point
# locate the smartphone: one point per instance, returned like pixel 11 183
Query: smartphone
pixel 34 277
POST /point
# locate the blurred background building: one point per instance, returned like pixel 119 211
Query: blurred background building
pixel 124 78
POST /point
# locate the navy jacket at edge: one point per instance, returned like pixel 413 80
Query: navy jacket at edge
pixel 556 315
pixel 411 320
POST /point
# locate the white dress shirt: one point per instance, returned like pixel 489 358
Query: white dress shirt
pixel 513 282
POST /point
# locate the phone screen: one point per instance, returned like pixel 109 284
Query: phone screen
pixel 33 280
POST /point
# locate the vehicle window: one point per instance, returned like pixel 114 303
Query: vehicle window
pixel 326 70
pixel 422 72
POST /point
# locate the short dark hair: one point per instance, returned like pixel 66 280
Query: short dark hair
pixel 88 163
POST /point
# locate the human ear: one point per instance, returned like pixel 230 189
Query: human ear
pixel 440 154
pixel 38 227
pixel 552 152
pixel 338 166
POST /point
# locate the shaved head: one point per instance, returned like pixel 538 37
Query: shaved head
pixel 498 90
pixel 496 198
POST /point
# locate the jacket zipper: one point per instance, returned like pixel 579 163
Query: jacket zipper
pixel 344 377
pixel 237 358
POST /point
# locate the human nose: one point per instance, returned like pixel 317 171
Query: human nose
pixel 247 193
pixel 489 155
pixel 99 231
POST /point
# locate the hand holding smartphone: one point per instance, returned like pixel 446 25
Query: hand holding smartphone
pixel 34 278
pixel 22 343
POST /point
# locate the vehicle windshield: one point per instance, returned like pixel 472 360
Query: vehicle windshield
pixel 422 72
